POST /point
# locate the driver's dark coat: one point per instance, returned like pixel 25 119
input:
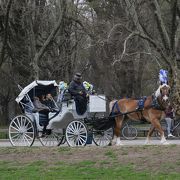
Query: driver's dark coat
pixel 76 87
pixel 80 99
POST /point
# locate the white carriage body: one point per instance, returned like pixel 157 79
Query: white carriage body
pixel 97 103
pixel 68 112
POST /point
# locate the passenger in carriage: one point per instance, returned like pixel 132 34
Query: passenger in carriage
pixel 39 105
pixel 49 102
pixel 78 91
pixel 43 113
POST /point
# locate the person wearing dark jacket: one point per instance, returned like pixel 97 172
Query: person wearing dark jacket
pixel 78 91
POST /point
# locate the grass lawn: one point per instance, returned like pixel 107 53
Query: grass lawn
pixel 137 162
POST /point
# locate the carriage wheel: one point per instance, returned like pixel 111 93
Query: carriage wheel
pixel 129 132
pixel 21 131
pixel 76 134
pixel 55 138
pixel 102 138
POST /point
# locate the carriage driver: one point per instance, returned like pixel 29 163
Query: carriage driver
pixel 78 91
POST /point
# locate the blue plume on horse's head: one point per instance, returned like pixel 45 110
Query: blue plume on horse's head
pixel 163 76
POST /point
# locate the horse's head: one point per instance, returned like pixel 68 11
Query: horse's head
pixel 163 93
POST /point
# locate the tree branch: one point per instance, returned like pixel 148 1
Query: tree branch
pixel 116 26
pixel 163 31
pixel 143 36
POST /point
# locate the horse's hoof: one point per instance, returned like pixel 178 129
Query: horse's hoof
pixel 119 144
pixel 165 143
pixel 147 142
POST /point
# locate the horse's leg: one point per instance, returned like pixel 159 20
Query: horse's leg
pixel 149 134
pixel 118 123
pixel 157 125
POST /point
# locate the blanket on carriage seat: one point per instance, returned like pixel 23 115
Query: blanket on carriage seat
pixel 43 119
pixel 81 104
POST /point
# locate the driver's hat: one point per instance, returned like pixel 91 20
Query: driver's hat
pixel 77 77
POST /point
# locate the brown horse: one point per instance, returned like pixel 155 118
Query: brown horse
pixel 153 112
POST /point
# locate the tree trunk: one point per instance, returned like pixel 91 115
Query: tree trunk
pixel 39 54
pixel 5 33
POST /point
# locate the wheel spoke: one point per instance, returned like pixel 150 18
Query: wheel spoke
pixel 79 126
pixel 16 124
pixel 83 136
pixel 25 138
pixel 82 130
pixel 80 138
pixel 75 126
pixel 19 137
pixel 27 124
pixel 21 121
pixel 29 128
pixel 70 136
pixel 15 136
pixel 72 127
pixel 70 131
pixel 14 128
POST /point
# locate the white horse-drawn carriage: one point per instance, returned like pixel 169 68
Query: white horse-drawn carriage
pixel 64 122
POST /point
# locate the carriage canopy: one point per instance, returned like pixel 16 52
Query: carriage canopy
pixel 38 87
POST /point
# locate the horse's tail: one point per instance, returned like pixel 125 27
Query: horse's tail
pixel 111 104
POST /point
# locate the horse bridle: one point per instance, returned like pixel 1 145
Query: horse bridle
pixel 163 98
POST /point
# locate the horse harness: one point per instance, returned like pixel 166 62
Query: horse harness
pixel 156 104
pixel 140 108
